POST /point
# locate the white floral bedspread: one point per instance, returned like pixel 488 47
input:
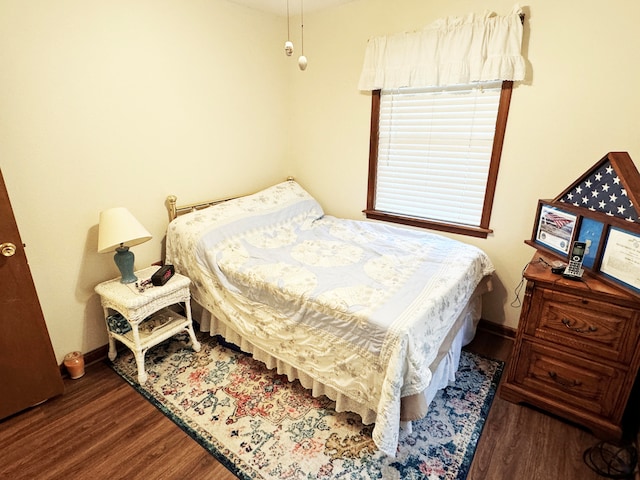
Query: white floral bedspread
pixel 359 306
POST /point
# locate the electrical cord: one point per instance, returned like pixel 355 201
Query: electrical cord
pixel 516 301
pixel 542 260
pixel 612 460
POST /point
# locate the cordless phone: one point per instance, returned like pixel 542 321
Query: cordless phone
pixel 574 269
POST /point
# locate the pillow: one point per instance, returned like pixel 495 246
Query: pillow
pixel 281 201
pixel 285 196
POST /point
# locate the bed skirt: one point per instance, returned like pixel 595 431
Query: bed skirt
pixel 413 407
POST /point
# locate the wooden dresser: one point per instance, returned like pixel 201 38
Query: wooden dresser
pixel 577 349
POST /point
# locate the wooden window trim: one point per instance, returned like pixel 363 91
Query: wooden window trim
pixel 483 230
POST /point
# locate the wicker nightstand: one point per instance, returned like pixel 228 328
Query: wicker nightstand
pixel 147 318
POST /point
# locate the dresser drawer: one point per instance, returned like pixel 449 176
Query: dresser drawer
pixel 568 380
pixel 598 329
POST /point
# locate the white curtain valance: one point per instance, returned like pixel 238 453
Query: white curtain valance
pixel 450 51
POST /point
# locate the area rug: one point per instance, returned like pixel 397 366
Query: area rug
pixel 261 426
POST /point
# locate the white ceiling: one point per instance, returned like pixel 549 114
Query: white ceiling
pixel 279 7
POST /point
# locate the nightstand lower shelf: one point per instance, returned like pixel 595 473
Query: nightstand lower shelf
pixel 159 327
pixel 146 317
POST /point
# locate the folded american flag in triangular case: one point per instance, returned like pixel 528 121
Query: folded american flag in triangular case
pixel 608 187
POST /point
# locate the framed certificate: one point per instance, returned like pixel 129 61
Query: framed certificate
pixel 621 258
pixel 555 228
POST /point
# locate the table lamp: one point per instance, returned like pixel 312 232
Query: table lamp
pixel 119 230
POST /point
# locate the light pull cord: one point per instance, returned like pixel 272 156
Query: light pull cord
pixel 288 45
pixel 302 60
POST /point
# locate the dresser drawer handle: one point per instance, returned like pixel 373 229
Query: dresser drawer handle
pixel 564 383
pixel 567 323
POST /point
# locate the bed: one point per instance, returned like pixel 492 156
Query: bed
pixel 371 315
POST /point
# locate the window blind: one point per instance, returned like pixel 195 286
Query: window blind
pixel 434 151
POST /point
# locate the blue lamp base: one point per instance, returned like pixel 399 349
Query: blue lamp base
pixel 124 260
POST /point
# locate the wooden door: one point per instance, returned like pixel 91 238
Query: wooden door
pixel 28 371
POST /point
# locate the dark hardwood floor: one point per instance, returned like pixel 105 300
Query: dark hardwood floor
pixel 101 428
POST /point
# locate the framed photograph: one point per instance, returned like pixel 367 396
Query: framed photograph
pixel 621 258
pixel 591 233
pixel 555 229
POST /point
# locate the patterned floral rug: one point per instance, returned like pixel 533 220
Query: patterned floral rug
pixel 261 426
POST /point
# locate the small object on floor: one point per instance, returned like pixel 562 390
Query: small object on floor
pixel 74 363
pixel 612 460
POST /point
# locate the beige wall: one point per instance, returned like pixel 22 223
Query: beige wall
pixel 121 103
pixel 577 103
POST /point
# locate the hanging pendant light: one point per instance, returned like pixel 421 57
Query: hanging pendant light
pixel 302 60
pixel 288 45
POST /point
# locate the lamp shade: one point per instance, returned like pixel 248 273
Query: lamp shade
pixel 118 227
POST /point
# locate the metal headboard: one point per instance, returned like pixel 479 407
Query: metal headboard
pixel 174 210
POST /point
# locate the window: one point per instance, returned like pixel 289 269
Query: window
pixel 434 155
